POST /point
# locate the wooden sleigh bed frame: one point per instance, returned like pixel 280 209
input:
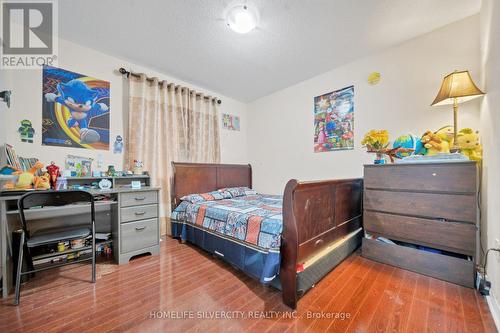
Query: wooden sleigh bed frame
pixel 321 220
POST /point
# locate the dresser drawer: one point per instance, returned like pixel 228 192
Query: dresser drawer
pixel 138 235
pixel 455 270
pixel 135 213
pixel 442 177
pixel 448 236
pixel 454 207
pixel 139 198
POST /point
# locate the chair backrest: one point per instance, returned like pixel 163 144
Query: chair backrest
pixel 53 198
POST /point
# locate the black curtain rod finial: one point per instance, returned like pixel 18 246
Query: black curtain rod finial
pixel 123 71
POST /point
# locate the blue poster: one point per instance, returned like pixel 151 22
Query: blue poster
pixel 75 110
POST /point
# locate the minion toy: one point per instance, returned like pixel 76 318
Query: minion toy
pixel 26 131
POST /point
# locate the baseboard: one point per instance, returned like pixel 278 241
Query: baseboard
pixel 494 309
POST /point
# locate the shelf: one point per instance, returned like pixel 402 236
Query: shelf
pixel 58 211
pixel 105 177
pixel 47 265
pixel 56 254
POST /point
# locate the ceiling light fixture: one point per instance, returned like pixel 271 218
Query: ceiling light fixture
pixel 242 18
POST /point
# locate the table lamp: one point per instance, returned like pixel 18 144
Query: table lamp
pixel 457 87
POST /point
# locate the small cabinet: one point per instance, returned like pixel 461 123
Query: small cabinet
pixel 138 224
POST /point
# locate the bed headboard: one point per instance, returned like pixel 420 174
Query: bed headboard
pixel 203 177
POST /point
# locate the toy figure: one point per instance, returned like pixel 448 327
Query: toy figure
pixel 137 167
pixel 111 171
pixel 446 135
pixel 468 141
pixel 433 143
pixel 54 172
pixel 26 179
pixel 81 100
pixel 118 145
pixel 42 182
pixel 26 131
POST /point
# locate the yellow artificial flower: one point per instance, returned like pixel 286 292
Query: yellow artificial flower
pixel 377 139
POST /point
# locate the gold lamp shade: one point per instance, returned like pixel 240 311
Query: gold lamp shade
pixel 457 85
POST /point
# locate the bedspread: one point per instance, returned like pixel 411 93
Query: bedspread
pixel 253 219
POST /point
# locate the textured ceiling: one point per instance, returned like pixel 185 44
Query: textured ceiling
pixel 295 39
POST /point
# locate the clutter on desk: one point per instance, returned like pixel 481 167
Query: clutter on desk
pixel 8 181
pixel 71 250
pixel 138 167
pixel 16 163
pixel 42 182
pixel 79 166
pixel 27 179
pixel 54 173
pixel 111 171
pixel 105 184
pixel 61 184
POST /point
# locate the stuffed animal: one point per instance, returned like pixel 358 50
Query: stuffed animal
pixel 433 144
pixel 42 182
pixel 26 179
pixel 446 135
pixel 468 141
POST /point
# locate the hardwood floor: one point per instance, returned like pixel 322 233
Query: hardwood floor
pixel 184 282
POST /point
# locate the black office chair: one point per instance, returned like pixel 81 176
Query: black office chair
pixel 54 235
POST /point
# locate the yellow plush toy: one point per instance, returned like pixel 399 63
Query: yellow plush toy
pixel 446 135
pixel 468 141
pixel 26 179
pixel 42 182
pixel 433 143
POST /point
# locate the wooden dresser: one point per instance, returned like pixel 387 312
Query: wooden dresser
pixel 429 207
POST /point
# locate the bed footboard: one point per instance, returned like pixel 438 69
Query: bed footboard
pixel 315 215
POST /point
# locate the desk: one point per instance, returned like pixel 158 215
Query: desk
pixel 134 223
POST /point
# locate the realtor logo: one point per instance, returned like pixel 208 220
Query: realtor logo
pixel 28 34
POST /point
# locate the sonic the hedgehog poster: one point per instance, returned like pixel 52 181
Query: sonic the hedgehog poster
pixel 75 110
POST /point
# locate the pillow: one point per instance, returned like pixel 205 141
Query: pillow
pixel 209 196
pixel 238 191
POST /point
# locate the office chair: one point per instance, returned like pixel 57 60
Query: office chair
pixel 52 236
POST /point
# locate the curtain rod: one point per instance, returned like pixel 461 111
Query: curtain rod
pixel 123 71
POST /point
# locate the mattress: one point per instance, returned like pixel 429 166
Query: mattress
pixel 245 231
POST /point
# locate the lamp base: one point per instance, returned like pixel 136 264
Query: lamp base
pixel 455 149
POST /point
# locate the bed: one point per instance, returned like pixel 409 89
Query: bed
pixel 289 241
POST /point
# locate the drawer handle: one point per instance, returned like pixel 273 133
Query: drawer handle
pixel 140 213
pixel 140 198
pixel 140 228
pixel 319 241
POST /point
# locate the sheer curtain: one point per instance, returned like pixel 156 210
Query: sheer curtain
pixel 169 123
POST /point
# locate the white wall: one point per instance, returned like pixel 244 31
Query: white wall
pixel 281 125
pixel 490 129
pixel 27 104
